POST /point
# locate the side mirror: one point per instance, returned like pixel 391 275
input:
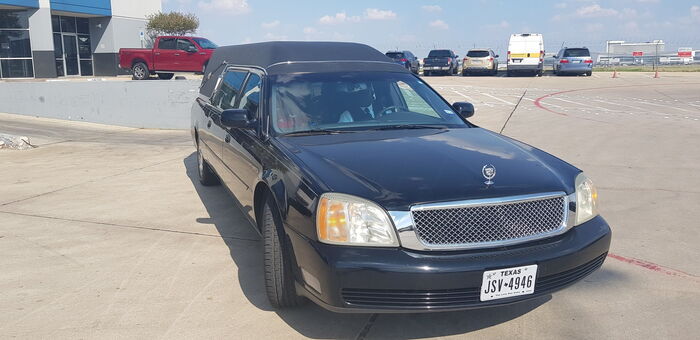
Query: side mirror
pixel 464 109
pixel 191 49
pixel 456 56
pixel 496 56
pixel 235 119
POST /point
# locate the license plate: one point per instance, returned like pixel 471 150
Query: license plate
pixel 577 61
pixel 436 67
pixel 517 60
pixel 508 282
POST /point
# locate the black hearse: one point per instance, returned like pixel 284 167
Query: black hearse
pixel 372 193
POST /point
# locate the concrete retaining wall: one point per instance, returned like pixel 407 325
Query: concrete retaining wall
pixel 145 104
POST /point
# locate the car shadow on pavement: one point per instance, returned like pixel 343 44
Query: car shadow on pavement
pixel 312 321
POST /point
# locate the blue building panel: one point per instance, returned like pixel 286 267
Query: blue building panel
pixel 21 3
pixel 94 7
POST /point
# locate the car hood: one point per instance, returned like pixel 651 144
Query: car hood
pixel 399 168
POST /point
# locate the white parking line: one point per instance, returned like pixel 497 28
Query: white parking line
pixel 585 106
pixel 638 109
pixel 496 98
pixel 665 106
pixel 463 95
pixel 470 99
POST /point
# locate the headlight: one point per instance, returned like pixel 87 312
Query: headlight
pixel 349 220
pixel 586 199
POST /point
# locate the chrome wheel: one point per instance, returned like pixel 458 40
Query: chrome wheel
pixel 139 72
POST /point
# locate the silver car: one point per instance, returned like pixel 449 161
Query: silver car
pixel 480 61
pixel 573 61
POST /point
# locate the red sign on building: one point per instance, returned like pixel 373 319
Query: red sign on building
pixel 637 54
pixel 685 54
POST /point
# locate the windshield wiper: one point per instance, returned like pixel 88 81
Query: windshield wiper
pixel 410 126
pixel 316 132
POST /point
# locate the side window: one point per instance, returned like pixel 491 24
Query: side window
pixel 184 44
pixel 231 84
pixel 166 44
pixel 250 97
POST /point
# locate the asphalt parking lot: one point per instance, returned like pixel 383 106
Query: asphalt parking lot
pixel 105 231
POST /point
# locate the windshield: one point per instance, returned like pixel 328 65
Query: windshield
pixel 206 43
pixel 439 54
pixel 577 52
pixel 478 54
pixel 356 101
pixel 394 55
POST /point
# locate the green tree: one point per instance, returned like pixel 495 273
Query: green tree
pixel 171 23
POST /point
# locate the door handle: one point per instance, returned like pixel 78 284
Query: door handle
pixel 228 138
pixel 157 53
pixel 209 124
pixel 177 53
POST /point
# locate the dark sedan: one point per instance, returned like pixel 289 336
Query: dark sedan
pixel 406 59
pixel 374 194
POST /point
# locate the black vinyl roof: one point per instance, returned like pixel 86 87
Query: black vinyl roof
pixel 282 57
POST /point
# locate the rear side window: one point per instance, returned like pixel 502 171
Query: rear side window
pixel 576 52
pixel 478 54
pixel 250 97
pixel 395 55
pixel 439 54
pixel 166 44
pixel 225 97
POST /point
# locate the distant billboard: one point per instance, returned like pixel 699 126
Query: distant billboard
pixel 637 53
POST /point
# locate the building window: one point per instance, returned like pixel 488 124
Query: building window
pixel 15 46
pixel 72 47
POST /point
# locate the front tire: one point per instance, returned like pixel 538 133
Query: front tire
pixel 140 71
pixel 589 73
pixel 279 276
pixel 207 177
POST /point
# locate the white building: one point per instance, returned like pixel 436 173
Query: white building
pixel 56 38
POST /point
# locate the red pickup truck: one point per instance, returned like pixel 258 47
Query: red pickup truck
pixel 169 54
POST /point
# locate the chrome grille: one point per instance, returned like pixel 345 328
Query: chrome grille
pixel 488 223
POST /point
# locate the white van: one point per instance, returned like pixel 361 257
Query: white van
pixel 526 53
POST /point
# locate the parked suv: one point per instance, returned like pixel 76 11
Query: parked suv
pixel 169 54
pixel 440 62
pixel 405 59
pixel 573 61
pixel 480 61
pixel 373 193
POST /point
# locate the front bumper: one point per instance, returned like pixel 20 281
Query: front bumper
pixel 395 280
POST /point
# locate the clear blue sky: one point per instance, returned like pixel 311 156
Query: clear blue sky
pixel 421 25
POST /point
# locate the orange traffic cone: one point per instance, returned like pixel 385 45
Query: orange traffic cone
pixel 656 74
pixel 614 74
